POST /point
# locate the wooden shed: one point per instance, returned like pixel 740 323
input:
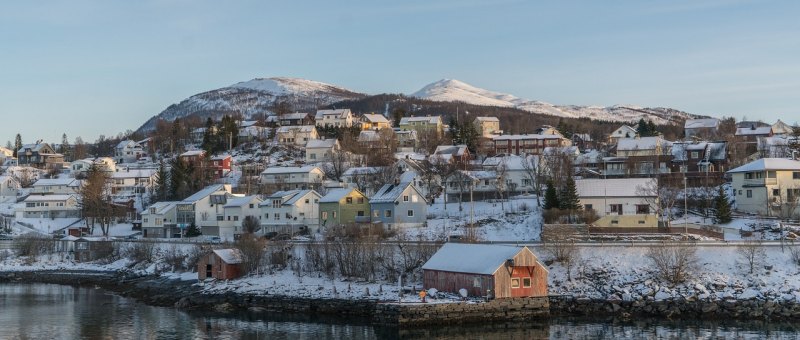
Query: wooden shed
pixel 496 271
pixel 221 264
pixel 92 248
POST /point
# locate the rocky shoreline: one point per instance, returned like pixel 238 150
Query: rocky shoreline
pixel 165 292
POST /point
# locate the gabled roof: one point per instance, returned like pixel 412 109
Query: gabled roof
pixel 289 197
pixel 339 113
pixel 768 164
pixel 614 187
pixel 126 143
pixel 455 150
pixel 364 170
pixel 289 169
pixel 193 153
pixel 161 207
pixel 623 131
pixel 368 136
pixel 480 175
pixel 136 173
pixel 229 256
pixel 204 193
pixel 55 182
pixel 296 128
pixel 526 137
pixel 487 119
pixel 641 143
pixel 294 115
pixel 34 147
pixel 749 131
pixel 484 259
pixel 235 202
pixel 701 123
pixel 710 150
pixel 427 119
pixel 335 195
pixel 321 143
pixel 781 128
pixel 511 162
pixel 375 118
pixel 48 198
pixel 389 193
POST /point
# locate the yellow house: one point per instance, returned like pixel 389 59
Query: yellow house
pixel 372 121
pixel 422 124
pixel 767 186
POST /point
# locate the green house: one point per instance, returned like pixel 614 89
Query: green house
pixel 343 206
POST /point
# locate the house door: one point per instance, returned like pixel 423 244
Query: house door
pixel 209 272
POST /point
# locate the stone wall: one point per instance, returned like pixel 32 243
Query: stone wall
pixel 512 309
pixel 678 308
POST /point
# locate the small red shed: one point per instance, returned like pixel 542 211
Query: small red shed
pixel 221 264
pixel 486 270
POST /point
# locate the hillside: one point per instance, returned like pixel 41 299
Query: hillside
pixel 255 97
pixel 451 90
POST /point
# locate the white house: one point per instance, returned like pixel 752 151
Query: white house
pixel 321 150
pixel 204 209
pixel 767 186
pixel 287 212
pixel 624 131
pixel 293 177
pixel 335 118
pixel 160 220
pixel 235 211
pixel 614 199
pixel 487 126
pixel 9 187
pixel 81 166
pixel 56 186
pixel 130 182
pixel 782 129
pixel 50 206
pixel 297 135
pixel 128 151
pixel 513 170
pixel 700 127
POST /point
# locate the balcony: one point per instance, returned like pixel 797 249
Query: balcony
pixel 759 182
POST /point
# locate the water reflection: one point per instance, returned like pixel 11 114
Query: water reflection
pixel 42 311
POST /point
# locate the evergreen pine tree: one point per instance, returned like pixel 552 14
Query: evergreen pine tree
pixel 193 230
pixel 177 180
pixel 162 184
pixel 568 200
pixel 17 144
pixel 550 197
pixel 641 128
pixel 723 207
pixel 651 128
pixel 210 140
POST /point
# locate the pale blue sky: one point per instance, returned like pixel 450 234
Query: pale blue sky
pixel 101 67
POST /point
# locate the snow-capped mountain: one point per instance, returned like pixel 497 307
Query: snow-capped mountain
pixel 451 90
pixel 255 97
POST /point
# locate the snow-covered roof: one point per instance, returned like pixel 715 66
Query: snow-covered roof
pixel 710 150
pixel 136 173
pixel 487 119
pixel 229 256
pixel 427 119
pixel 204 193
pixel 701 123
pixel 220 157
pixel 615 187
pixel 781 128
pixel 235 202
pixel 623 131
pixel 193 153
pixel 48 198
pixel 335 195
pixel 368 136
pixel 363 170
pixel 511 162
pixel 641 143
pixel 289 197
pixel 482 259
pixel 321 143
pixel 455 150
pixel 526 137
pixel 247 123
pixel 340 113
pixel 375 118
pixel 55 182
pixel 160 207
pixel 390 192
pixel 34 147
pixel 126 143
pixel 294 115
pixel 296 128
pixel 749 131
pixel 481 175
pixel 289 169
pixel 768 164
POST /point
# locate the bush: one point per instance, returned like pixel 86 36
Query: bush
pixel 194 255
pixel 252 249
pixel 673 264
pixel 140 252
pixel 794 253
pixel 175 258
pixel 33 245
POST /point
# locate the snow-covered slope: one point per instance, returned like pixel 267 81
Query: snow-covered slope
pixel 255 97
pixel 451 90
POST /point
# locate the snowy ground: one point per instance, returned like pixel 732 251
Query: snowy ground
pixel 518 219
pixel 625 273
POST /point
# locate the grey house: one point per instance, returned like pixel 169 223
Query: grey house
pixel 399 205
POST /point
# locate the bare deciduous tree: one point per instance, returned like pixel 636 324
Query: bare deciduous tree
pixel 673 263
pixel 752 253
pixel 661 196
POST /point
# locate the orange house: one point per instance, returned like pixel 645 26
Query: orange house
pixel 495 271
pixel 221 264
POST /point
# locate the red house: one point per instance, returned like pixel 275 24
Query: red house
pixel 486 270
pixel 221 264
pixel 220 165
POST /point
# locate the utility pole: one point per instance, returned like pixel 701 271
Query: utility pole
pixel 685 208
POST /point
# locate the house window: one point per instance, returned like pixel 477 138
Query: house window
pixel 796 175
pixel 333 214
pixel 695 154
pixel 514 282
pixel 405 198
pixel 526 282
pixel 749 193
pixel 376 213
pixel 776 192
pixel 312 156
pixel 360 213
pixel 476 282
pixel 324 215
pixel 616 208
pixel 587 207
pixel 740 192
pixel 229 218
pixel 276 216
pixel 387 213
pixel 411 213
pixel 306 200
pixel 236 218
pixel 360 200
pixel 348 200
pixel 642 209
pixel 251 206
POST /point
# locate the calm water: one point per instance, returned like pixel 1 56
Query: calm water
pixel 41 311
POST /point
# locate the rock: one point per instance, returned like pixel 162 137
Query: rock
pixel 646 292
pixel 225 307
pixel 700 288
pixel 627 297
pixel 709 307
pixel 660 296
pixel 183 303
pixel 256 309
pixel 749 294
